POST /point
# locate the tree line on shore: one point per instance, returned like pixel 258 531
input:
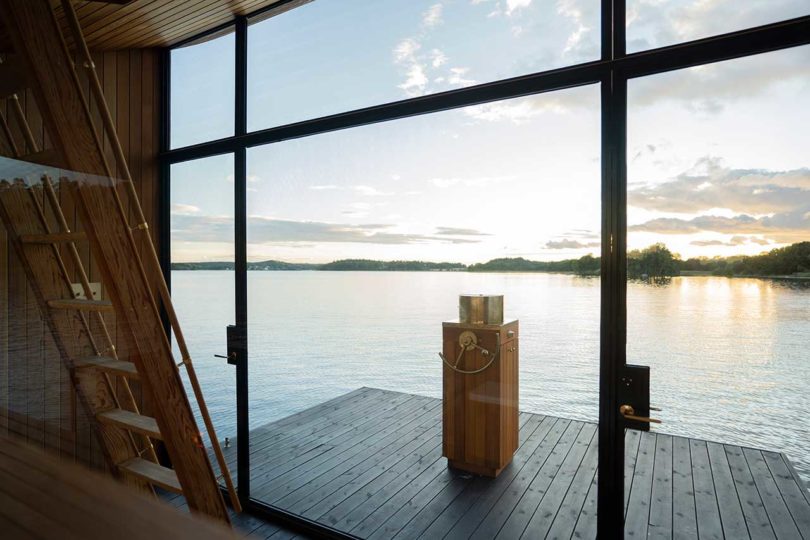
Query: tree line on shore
pixel 653 262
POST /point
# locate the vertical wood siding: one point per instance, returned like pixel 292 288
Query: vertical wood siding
pixel 37 402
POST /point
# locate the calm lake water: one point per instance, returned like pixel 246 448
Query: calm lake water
pixel 729 358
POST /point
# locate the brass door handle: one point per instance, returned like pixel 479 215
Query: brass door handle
pixel 629 413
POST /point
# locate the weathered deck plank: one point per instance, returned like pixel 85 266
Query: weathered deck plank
pixel 637 520
pixel 778 513
pixel 794 496
pixel 756 517
pixel 727 499
pixel 370 464
pixel 661 503
pixel 684 517
pixel 708 514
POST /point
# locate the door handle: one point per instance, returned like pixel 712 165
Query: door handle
pixel 629 413
pixel 231 358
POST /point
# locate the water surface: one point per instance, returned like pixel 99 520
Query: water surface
pixel 729 357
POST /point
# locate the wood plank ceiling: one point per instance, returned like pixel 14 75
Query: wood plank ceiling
pixel 151 23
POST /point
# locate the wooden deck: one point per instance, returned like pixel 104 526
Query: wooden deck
pixel 369 463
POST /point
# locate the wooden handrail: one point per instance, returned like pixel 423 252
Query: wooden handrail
pixel 152 256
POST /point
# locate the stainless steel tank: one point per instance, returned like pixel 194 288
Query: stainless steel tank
pixel 480 308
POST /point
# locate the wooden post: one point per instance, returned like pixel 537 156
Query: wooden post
pixel 480 408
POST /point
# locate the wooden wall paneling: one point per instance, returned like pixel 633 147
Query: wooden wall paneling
pixel 120 110
pixel 132 148
pixel 43 388
pixel 38 263
pixel 74 429
pixel 88 450
pixel 36 387
pixel 11 120
pixel 34 379
pixel 17 366
pixel 52 365
pixel 4 316
pixel 34 121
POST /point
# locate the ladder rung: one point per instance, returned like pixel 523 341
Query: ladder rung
pixel 110 365
pixel 81 305
pixel 138 423
pixel 153 473
pixel 52 238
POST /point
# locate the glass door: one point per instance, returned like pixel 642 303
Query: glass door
pixel 717 293
pixel 203 281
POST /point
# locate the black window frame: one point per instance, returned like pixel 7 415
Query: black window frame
pixel 612 71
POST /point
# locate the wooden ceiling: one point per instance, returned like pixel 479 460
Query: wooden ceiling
pixel 151 23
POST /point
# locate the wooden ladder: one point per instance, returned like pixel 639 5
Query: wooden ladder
pixel 134 287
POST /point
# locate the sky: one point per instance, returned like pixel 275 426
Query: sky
pixel 717 155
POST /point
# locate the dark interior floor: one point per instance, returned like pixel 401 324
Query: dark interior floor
pixel 245 525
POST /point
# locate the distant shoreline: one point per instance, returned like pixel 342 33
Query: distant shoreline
pixel 685 273
pixel 653 263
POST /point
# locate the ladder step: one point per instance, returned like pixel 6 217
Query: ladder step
pixel 53 238
pixel 110 365
pixel 81 305
pixel 138 423
pixel 153 473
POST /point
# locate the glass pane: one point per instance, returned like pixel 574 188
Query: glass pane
pixel 332 56
pixel 657 23
pixel 202 254
pixel 719 228
pixel 361 242
pixel 202 91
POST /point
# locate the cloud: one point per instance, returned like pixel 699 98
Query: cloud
pixel 178 208
pixel 582 233
pixel 470 182
pixel 360 189
pixel 405 53
pixel 406 50
pixel 370 191
pixel 437 58
pixel 709 88
pixel 523 109
pixel 433 16
pixel 515 5
pixel 455 231
pixel 734 241
pixel 577 15
pixel 267 230
pixel 653 23
pixel 416 81
pixel 709 185
pixel 784 228
pixel 565 243
pixel 456 77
